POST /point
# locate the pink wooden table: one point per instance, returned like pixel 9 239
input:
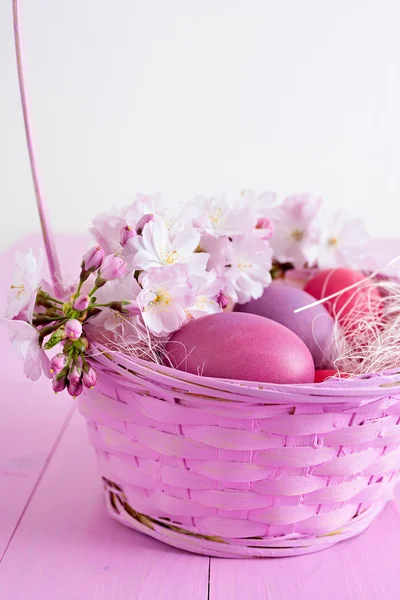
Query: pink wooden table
pixel 56 541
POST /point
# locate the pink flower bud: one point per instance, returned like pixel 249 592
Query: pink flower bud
pixel 142 222
pixel 267 225
pixel 127 233
pixel 89 377
pixel 131 308
pixel 75 373
pixel 75 389
pixel 92 259
pixel 82 302
pixel 59 383
pixel 57 363
pixel 113 267
pixel 73 329
pixel 222 300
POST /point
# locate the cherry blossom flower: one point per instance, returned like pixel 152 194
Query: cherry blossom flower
pixel 166 294
pixel 125 289
pixel 23 291
pixel 158 247
pixel 107 229
pixel 215 248
pixel 342 242
pixel 261 205
pixel 145 204
pixel 297 231
pixel 221 215
pixel 265 204
pixel 24 339
pixel 107 226
pixel 248 261
pixel 207 289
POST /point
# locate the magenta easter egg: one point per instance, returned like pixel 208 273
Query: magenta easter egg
pixel 314 326
pixel 240 346
pixel 324 374
pixel 349 307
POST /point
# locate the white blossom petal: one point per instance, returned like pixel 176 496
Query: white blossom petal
pixel 26 281
pixel 166 294
pixel 24 340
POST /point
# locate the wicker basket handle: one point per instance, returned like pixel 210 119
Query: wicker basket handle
pixel 48 238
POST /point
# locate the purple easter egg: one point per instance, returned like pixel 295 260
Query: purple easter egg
pixel 240 346
pixel 314 326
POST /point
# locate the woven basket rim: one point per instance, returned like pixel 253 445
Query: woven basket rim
pixel 341 390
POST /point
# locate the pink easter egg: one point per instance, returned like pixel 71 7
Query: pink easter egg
pixel 314 326
pixel 240 346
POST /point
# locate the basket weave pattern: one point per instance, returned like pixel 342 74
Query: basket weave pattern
pixel 238 469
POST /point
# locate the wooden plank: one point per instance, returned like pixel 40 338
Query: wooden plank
pixel 30 421
pixel 31 417
pixel 364 568
pixel 67 547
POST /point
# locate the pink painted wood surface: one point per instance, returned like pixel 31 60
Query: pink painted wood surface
pixel 364 568
pixel 31 417
pixel 68 548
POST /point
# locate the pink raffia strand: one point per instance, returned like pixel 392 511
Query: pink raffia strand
pixel 46 232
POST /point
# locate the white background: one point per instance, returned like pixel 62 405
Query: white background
pixel 185 96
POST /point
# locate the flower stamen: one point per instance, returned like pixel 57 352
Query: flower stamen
pixel 169 258
pixel 20 288
pixel 215 217
pixel 332 241
pixel 161 301
pixel 297 235
pixel 243 265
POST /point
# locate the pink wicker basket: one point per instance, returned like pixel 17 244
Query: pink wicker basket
pixel 234 469
pixel 230 468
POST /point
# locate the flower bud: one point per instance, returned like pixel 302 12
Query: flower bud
pixel 75 389
pixel 92 260
pixel 60 381
pixel 222 300
pixel 267 225
pixel 75 372
pixel 126 234
pixel 113 267
pixel 82 302
pixel 116 305
pixel 57 363
pixel 142 222
pixel 73 329
pixel 89 377
pixel 131 308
